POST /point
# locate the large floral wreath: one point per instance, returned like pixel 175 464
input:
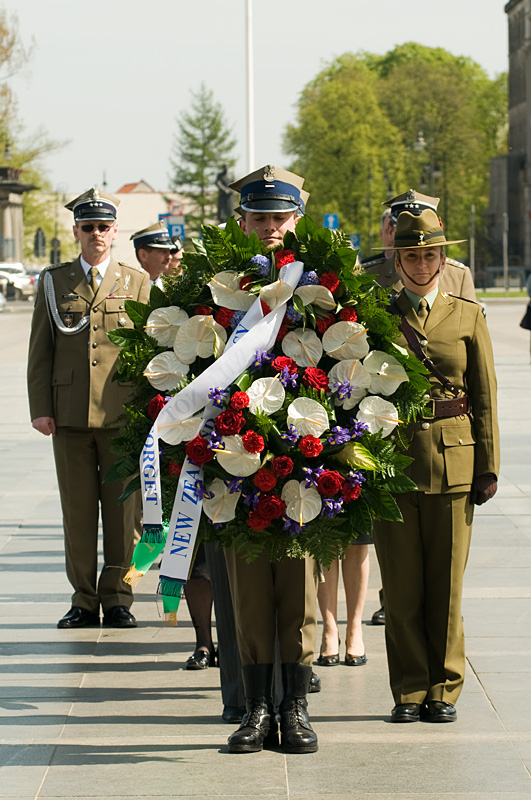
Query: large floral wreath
pixel 307 448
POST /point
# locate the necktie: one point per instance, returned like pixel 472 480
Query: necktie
pixel 422 312
pixel 93 271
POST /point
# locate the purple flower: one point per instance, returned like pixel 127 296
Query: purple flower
pixel 331 508
pixel 339 435
pixel 291 526
pixel 262 265
pixel 201 491
pixel 291 436
pixel 234 485
pixel 311 475
pixel 287 378
pixel 309 278
pixel 293 315
pixel 216 395
pixel 344 389
pixel 251 498
pixel 215 525
pixel 236 318
pixel 358 428
pixel 355 478
pixel 261 358
pixel 215 441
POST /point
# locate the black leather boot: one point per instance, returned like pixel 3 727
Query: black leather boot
pixel 259 727
pixel 297 735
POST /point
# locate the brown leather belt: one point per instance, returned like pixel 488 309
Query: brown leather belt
pixel 452 407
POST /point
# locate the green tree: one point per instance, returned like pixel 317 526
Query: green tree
pixel 203 144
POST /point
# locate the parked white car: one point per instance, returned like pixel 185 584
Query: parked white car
pixel 15 281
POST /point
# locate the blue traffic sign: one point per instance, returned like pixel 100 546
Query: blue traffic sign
pixel 355 240
pixel 331 221
pixel 174 225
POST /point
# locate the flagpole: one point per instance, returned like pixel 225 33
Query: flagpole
pixel 250 88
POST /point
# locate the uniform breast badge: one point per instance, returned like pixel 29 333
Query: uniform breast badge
pixel 68 320
pixel 126 282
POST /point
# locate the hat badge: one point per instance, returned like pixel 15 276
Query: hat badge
pixel 421 238
pixel 411 195
pixel 269 174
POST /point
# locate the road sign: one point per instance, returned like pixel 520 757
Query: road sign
pixel 331 221
pixel 175 225
pixel 175 208
pixel 355 240
pixel 39 243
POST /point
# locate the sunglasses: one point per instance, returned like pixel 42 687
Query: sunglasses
pixel 102 227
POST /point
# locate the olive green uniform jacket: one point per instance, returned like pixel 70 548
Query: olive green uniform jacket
pixel 423 559
pixel 69 379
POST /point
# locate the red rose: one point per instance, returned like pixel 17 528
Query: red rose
pixel 283 257
pixel 174 469
pixel 229 422
pixel 310 446
pixel 283 361
pixel 282 466
pixel 198 452
pixel 265 308
pixel 316 378
pixel 265 480
pixel 270 506
pixel 350 493
pixel 329 483
pixel 256 522
pixel 239 400
pixel 203 310
pixel 223 316
pixel 253 442
pixel 330 281
pixel 155 406
pixel 348 315
pixel 282 331
pixel 245 281
pixel 323 323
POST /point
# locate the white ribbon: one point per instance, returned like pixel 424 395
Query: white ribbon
pixel 255 332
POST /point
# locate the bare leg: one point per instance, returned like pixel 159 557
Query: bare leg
pixel 355 567
pixel 198 593
pixel 327 597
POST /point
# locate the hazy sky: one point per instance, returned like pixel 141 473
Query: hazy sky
pixel 110 79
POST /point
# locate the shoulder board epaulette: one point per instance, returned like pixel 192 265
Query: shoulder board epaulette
pixel 370 261
pixel 455 263
pixel 464 299
pixel 56 266
pixel 136 267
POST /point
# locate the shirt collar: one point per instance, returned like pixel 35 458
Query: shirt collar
pixel 102 268
pixel 416 298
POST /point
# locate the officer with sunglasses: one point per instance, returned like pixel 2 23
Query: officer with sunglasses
pixel 73 398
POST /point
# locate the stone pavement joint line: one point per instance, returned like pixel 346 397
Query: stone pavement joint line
pixel 103 713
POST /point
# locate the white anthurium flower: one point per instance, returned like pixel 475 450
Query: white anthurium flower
pixel 317 296
pixel 266 395
pixel 221 507
pixel 165 371
pixel 163 324
pixel 344 340
pixel 378 414
pixel 308 416
pixel 303 346
pixel 177 432
pixel 225 290
pixel 302 504
pixel 235 459
pixel 353 372
pixel 386 372
pixel 199 336
pixel 274 294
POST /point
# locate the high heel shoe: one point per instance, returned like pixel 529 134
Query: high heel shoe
pixel 355 661
pixel 329 661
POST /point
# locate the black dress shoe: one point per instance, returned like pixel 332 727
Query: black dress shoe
pixel 201 659
pixel 406 712
pixel 315 684
pixel 438 711
pixel 233 713
pixel 355 661
pixel 378 618
pixel 328 661
pixel 118 617
pixel 79 618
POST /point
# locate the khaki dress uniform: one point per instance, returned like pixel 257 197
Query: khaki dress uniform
pixel 70 379
pixel 423 559
pixel 456 278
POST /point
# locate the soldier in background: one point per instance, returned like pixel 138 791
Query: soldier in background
pixel 72 397
pixel 154 249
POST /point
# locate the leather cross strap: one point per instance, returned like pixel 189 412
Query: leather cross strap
pixel 451 407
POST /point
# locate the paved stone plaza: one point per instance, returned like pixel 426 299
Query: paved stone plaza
pixel 113 714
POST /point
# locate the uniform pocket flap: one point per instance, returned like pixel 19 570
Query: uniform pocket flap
pixel 62 377
pixel 453 437
pixel 114 304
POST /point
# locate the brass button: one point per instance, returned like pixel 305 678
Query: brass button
pixel 121 306
pixel 424 342
pixel 425 396
pixel 425 426
pixel 95 309
pixel 460 441
pixel 94 327
pixel 94 363
pixel 94 344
